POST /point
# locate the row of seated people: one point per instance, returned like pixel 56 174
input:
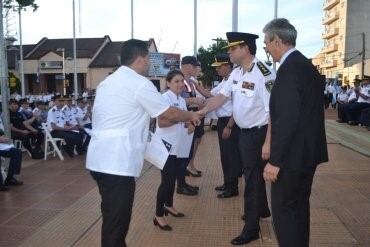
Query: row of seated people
pixel 69 122
pixel 354 104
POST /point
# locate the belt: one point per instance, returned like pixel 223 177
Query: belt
pixel 254 128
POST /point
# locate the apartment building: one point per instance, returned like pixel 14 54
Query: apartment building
pixel 346 39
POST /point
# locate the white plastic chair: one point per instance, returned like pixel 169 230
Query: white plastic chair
pixel 18 144
pixel 53 148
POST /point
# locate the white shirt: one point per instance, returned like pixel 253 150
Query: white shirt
pixel 226 110
pixel 57 117
pixel 80 115
pixel 352 96
pixel 250 96
pixel 286 54
pixel 171 133
pixel 124 103
pixel 343 96
pixel 366 91
pixel 70 114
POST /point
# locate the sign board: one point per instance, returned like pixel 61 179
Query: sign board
pixel 59 77
pixel 51 64
pixel 162 63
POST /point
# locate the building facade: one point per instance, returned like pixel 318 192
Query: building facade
pixel 346 39
pixel 49 64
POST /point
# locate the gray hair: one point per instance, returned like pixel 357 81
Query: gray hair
pixel 281 28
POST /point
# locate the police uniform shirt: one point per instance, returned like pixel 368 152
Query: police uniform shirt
pixel 124 103
pixel 226 110
pixel 352 96
pixel 366 91
pixel 80 115
pixel 70 114
pixel 57 117
pixel 343 96
pixel 171 133
pixel 250 91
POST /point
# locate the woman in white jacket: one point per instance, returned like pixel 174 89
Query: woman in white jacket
pixel 170 132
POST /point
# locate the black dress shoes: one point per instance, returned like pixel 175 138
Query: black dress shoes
pixel 245 238
pixel 228 194
pixel 14 182
pixel 220 188
pixel 186 191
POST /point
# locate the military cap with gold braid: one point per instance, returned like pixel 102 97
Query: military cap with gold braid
pixel 236 38
pixel 221 59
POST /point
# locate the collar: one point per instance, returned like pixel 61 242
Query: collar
pixel 286 54
pixel 172 95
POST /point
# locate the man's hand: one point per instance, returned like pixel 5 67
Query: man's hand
pixel 191 128
pixel 195 118
pixel 26 132
pixel 4 139
pixel 226 133
pixel 199 101
pixel 270 173
pixel 266 151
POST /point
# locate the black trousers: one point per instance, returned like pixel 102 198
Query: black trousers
pixel 117 194
pixel 15 163
pixel 342 112
pixel 72 139
pixel 28 139
pixel 230 158
pixel 255 199
pixel 290 203
pixel 167 187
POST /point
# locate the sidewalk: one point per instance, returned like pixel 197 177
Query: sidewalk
pixel 59 204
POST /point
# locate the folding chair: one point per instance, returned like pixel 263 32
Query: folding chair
pixel 51 143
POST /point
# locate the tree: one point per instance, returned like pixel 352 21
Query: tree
pixel 206 57
pixel 15 4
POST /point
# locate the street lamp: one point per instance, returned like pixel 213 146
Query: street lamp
pixel 64 77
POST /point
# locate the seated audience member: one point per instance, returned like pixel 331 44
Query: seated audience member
pixel 342 99
pixel 21 129
pixel 354 110
pixel 25 108
pixel 83 117
pixel 15 156
pixel 61 128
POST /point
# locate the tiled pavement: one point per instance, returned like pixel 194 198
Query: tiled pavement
pixel 59 205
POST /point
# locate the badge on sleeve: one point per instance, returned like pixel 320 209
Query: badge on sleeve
pixel 269 85
pixel 248 85
pixel 264 70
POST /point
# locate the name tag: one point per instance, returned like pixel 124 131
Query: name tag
pixel 248 85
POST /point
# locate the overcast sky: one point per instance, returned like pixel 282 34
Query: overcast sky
pixel 170 22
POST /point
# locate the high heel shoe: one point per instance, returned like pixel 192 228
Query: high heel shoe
pixel 164 228
pixel 196 174
pixel 179 215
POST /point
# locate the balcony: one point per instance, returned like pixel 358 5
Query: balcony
pixel 328 4
pixel 330 48
pixel 329 64
pixel 330 18
pixel 330 33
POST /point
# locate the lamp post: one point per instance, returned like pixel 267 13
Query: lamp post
pixel 75 84
pixel 64 72
pixel 21 69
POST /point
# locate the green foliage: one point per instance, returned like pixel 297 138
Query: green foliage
pixel 207 57
pixel 15 4
pixel 14 83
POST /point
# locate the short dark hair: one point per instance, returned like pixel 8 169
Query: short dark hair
pixel 172 74
pixel 252 47
pixel 132 49
pixel 13 101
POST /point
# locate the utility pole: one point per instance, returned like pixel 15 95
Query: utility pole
pixel 21 68
pixel 235 16
pixel 75 83
pixel 4 76
pixel 195 28
pixel 132 19
pixel 363 56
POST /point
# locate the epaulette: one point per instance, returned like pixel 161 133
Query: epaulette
pixel 264 70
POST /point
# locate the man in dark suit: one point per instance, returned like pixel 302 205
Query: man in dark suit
pixel 298 141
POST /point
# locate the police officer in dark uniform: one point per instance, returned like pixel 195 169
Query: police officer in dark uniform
pixel 228 132
pixel 249 86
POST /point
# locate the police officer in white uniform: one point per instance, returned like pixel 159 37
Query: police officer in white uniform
pixel 228 132
pixel 124 103
pixel 249 86
pixel 60 128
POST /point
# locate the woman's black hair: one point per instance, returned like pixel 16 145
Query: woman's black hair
pixel 172 74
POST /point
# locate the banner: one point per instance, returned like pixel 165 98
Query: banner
pixel 162 63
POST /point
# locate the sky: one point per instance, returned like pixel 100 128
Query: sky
pixel 170 22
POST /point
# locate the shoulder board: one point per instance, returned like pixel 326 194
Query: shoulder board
pixel 264 70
